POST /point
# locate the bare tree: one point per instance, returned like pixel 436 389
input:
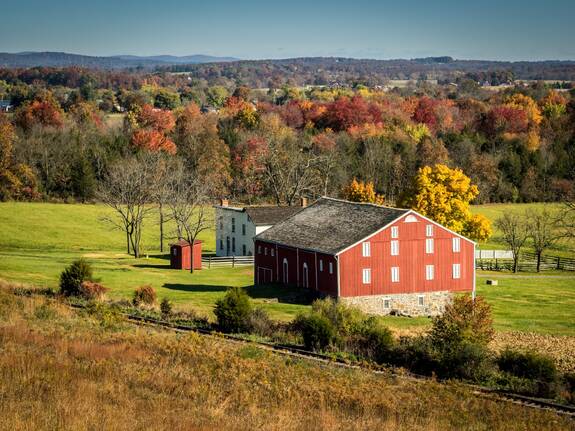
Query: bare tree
pixel 128 190
pixel 543 231
pixel 515 232
pixel 188 203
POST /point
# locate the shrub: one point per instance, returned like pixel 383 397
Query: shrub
pixel 464 320
pixel 376 340
pixel 73 276
pixel 92 291
pixel 346 320
pixel 466 360
pixel 317 331
pixel 416 354
pixel 530 365
pixel 260 323
pixel 233 310
pixel 44 312
pixel 166 307
pixel 144 295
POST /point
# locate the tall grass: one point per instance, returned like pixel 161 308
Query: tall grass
pixel 62 370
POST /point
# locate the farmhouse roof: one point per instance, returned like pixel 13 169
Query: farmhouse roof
pixel 331 225
pixel 264 215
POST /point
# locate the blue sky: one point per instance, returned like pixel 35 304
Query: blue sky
pixel 489 29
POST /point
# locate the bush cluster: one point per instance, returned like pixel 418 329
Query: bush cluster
pixel 144 295
pixel 73 276
pixel 233 311
pixel 92 291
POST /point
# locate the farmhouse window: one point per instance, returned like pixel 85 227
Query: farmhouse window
pixel 321 265
pixel 429 245
pixel 395 232
pixel 243 250
pixel 456 270
pixel 366 276
pixel 366 249
pixel 395 248
pixel 286 272
pixel 243 228
pixel 221 244
pixel 429 272
pixel 456 245
pixel 421 300
pixel 395 274
pixel 233 224
pixel 429 230
pixel 331 267
pixel 234 244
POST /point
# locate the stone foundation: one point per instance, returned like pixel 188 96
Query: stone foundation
pixel 405 304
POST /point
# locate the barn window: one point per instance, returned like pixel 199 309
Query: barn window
pixel 395 274
pixel 421 300
pixel 429 272
pixel 456 270
pixel 456 245
pixel 233 224
pixel 429 245
pixel 387 303
pixel 259 249
pixel 285 269
pixel 395 232
pixel 243 228
pixel 410 219
pixel 366 276
pixel 221 223
pixel 273 251
pixel 395 248
pixel 429 230
pixel 321 265
pixel 265 251
pixel 233 244
pixel 331 267
pixel 366 249
pixel 243 250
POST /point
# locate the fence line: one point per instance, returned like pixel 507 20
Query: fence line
pixel 233 261
pixel 497 260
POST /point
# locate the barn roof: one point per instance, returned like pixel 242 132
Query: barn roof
pixel 268 215
pixel 331 225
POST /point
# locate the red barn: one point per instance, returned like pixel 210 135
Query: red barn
pixel 383 260
pixel 180 255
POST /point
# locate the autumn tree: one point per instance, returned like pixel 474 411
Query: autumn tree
pixel 515 232
pixel 444 194
pixel 40 113
pixel 151 128
pixel 358 191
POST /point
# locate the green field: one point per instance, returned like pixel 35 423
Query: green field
pixel 37 240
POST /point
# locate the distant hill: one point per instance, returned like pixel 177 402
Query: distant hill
pixel 63 59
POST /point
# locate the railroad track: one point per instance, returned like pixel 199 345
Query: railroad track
pixel 530 402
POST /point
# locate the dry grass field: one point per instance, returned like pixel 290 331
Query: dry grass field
pixel 64 370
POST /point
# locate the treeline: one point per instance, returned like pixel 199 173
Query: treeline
pixel 517 145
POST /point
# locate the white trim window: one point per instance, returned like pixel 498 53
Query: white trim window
pixel 331 267
pixel 259 249
pixel 366 249
pixel 429 272
pixel 421 300
pixel 411 219
pixel 456 241
pixel 394 247
pixel 321 265
pixel 429 246
pixel 429 230
pixel 265 251
pixel 456 271
pixel 395 231
pixel 366 275
pixel 273 252
pixel 395 274
pixel 387 303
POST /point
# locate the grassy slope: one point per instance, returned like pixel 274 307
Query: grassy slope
pixel 38 240
pixel 64 370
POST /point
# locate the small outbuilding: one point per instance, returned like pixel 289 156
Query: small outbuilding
pixel 180 255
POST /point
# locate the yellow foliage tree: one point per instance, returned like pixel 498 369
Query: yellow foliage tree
pixel 443 194
pixel 527 104
pixel 358 191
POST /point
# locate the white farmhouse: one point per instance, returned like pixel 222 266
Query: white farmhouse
pixel 237 226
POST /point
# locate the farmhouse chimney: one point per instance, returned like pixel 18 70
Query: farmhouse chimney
pixel 224 202
pixel 303 202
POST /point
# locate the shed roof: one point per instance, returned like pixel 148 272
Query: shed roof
pixel 331 225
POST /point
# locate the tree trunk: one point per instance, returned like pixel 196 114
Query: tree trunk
pixel 161 229
pixel 192 256
pixel 515 263
pixel 128 241
pixel 538 261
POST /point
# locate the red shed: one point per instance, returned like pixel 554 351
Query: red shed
pixel 180 255
pixel 381 259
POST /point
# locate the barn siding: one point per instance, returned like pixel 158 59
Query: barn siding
pixel 411 261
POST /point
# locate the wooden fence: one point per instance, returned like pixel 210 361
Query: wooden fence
pixel 527 262
pixel 233 261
